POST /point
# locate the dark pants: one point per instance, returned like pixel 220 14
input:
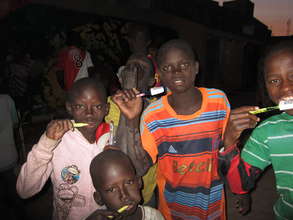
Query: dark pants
pixel 11 205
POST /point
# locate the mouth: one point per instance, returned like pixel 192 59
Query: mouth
pixel 178 82
pixel 286 98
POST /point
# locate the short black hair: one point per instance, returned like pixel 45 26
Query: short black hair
pixel 280 46
pixel 109 156
pixel 177 44
pixel 85 83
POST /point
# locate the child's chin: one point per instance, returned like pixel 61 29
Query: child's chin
pixel 132 210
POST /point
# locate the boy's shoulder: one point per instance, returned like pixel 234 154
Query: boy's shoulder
pixel 153 107
pixel 150 213
pixel 212 92
pixel 274 120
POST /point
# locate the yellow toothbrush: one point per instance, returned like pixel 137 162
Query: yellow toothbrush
pixel 122 209
pixel 79 125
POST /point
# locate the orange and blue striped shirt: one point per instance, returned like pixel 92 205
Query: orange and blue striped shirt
pixel 186 149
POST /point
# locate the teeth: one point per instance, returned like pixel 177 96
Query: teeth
pixel 286 98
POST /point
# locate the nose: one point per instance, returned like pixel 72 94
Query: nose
pixel 89 110
pixel 124 195
pixel 287 85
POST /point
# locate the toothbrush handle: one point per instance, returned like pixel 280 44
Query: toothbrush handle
pixel 261 110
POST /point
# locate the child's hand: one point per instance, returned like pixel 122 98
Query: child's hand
pixel 129 104
pixel 243 203
pixel 240 119
pixel 57 128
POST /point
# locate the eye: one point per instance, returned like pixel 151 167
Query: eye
pixel 78 106
pixel 166 68
pixel 98 107
pixel 111 190
pixel 274 82
pixel 130 182
pixel 184 66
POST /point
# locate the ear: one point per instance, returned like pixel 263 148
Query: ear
pixel 68 108
pixel 196 67
pixel 98 198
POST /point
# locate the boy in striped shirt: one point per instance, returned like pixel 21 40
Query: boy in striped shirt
pixel 183 132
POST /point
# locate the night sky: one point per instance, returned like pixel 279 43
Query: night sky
pixel 276 14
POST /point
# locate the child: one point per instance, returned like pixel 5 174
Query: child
pixel 118 186
pixel 183 132
pixel 64 153
pixel 271 142
pixel 138 73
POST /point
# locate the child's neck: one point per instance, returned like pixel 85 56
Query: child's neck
pixel 88 135
pixel 186 103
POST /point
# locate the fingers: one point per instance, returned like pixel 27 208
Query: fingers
pixel 243 119
pixel 239 120
pixel 125 95
pixel 57 128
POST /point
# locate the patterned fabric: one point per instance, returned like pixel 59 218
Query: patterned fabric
pixel 186 148
pixel 271 143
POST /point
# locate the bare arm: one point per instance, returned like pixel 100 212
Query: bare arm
pixel 128 134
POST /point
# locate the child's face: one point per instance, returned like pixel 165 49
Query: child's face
pixel 119 186
pixel 279 76
pixel 88 107
pixel 178 71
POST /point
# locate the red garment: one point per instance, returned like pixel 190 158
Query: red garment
pixel 70 60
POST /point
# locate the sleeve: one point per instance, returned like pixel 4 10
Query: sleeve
pixel 89 62
pixel 228 110
pixel 148 141
pixel 37 169
pixel 240 176
pixel 13 111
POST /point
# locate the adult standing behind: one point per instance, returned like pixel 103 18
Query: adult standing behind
pixel 73 62
pixel 9 200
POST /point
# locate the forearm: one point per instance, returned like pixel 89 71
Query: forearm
pixel 37 169
pixel 129 141
pixel 240 176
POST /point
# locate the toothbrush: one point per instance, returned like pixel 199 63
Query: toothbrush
pixel 79 125
pixel 122 209
pixel 283 105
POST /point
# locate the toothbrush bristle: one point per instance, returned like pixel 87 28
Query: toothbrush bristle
pixel 286 104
